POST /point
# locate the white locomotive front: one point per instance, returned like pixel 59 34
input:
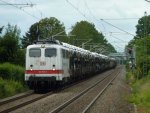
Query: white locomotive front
pixel 45 65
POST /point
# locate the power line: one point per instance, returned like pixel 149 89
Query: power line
pixel 117 27
pixel 19 9
pixel 94 17
pixel 16 6
pixel 119 39
pixel 118 47
pixel 101 19
pixel 120 18
pixel 118 33
pixel 77 9
pixel 30 5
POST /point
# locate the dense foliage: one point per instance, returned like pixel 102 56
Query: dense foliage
pixel 143 27
pixel 10 50
pixel 83 32
pixel 80 33
pixel 10 87
pixel 45 28
pixel 11 79
pixel 13 72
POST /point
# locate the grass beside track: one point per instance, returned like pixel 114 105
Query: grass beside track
pixel 11 80
pixel 140 92
pixel 10 88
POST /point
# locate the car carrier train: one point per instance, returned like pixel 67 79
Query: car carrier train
pixel 51 63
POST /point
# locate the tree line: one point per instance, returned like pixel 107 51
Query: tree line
pixel 12 44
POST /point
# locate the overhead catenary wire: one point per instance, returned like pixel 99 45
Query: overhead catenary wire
pixel 117 27
pixel 119 47
pixel 107 18
pixel 118 33
pixel 20 9
pixel 15 5
pixel 30 5
pixel 118 38
pixel 111 19
pixel 93 16
pixel 121 18
pixel 71 27
pixel 76 9
pixel 102 20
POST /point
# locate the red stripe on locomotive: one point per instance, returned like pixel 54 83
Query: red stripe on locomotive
pixel 44 71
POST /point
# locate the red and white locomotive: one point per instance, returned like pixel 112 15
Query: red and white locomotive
pixel 50 62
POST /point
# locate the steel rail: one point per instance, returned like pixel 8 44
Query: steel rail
pixel 25 103
pixel 100 93
pixel 14 98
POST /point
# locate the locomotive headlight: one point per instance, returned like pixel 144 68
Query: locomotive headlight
pixel 31 66
pixel 54 67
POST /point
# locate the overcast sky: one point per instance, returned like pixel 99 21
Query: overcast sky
pixel 123 14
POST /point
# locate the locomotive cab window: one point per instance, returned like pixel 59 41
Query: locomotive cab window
pixel 50 52
pixel 35 52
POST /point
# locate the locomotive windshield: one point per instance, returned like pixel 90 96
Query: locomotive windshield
pixel 50 52
pixel 35 52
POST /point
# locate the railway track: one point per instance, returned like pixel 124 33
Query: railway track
pixel 17 102
pixel 16 97
pixel 99 94
pixel 83 101
pixel 12 104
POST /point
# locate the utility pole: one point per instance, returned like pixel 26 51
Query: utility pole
pixel 145 46
pixel 131 58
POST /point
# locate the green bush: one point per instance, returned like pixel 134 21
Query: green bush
pixel 130 78
pixel 12 72
pixel 10 87
pixel 141 93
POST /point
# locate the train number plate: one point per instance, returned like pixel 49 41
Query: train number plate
pixel 42 63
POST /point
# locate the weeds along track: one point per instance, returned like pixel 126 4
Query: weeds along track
pixel 84 100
